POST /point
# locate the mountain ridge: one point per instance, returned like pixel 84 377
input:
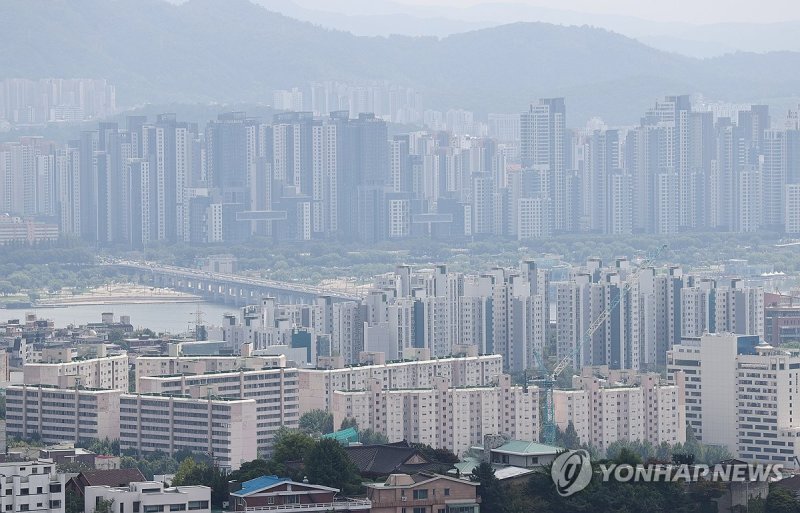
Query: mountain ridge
pixel 209 50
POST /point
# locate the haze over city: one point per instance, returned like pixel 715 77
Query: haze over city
pixel 399 256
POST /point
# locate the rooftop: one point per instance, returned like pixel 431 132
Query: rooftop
pixel 522 447
pixel 259 483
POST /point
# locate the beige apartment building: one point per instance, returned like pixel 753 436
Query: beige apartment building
pixel 443 416
pixel 224 429
pixel 171 365
pixel 59 415
pixel 318 385
pixel 106 372
pixel 608 405
pixel 274 390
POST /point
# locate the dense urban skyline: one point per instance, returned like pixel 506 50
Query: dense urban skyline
pixel 454 257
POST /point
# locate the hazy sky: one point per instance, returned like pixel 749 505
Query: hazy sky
pixel 691 11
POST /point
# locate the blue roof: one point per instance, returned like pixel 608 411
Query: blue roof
pixel 259 483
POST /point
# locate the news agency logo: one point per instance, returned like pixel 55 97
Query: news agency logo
pixel 571 472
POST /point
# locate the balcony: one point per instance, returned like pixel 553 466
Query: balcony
pixel 337 505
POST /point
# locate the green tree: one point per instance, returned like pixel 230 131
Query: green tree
pixel 251 470
pixel 291 445
pixel 328 464
pixel 493 499
pixel 436 455
pixel 781 500
pixel 568 438
pixel 192 473
pixel 348 423
pixel 370 437
pixel 316 422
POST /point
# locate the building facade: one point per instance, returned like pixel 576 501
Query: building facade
pixel 224 429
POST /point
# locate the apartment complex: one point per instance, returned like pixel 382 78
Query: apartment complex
pixel 32 486
pixel 148 497
pixel 170 365
pixel 317 386
pixel 107 372
pixel 57 415
pixel 606 405
pixel 275 392
pixel 224 429
pixel 442 416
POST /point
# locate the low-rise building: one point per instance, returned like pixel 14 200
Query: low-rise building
pixel 281 494
pixel 57 415
pixel 521 453
pixel 423 493
pixel 148 497
pixel 32 486
pixel 116 478
pixel 225 429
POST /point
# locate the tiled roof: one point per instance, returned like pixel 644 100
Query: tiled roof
pixel 381 459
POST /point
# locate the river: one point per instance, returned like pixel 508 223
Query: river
pixel 159 317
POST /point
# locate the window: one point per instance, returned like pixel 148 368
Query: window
pixel 9 491
pixel 24 491
pixel 176 507
pixel 270 500
pixel 136 506
pixel 419 510
pixel 420 494
pixel 121 507
pixel 153 508
pixel 447 492
pixel 9 507
pixel 39 489
pixel 198 504
pixel 23 507
pixel 55 488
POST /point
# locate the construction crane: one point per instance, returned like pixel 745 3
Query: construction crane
pixel 547 383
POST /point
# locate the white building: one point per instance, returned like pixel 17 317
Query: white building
pixel 606 406
pixel 170 365
pixel 32 486
pixel 109 372
pixel 792 210
pixel 443 416
pixel 224 429
pixel 57 415
pixel 148 497
pixel 275 392
pixel 318 385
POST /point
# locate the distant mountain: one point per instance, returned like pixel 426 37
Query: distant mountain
pixel 233 50
pixel 383 17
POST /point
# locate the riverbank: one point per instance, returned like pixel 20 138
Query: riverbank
pixel 115 294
